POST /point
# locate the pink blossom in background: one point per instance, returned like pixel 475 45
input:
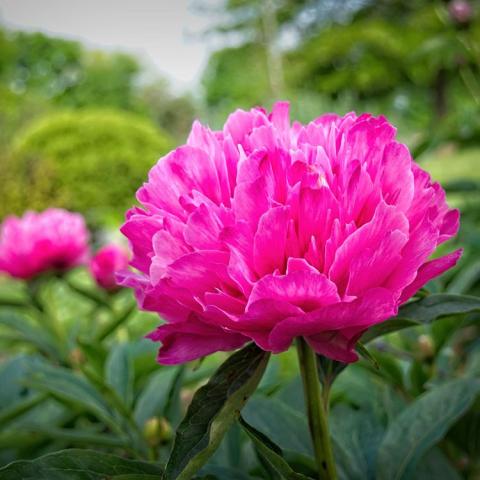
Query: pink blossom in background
pixel 460 10
pixel 54 240
pixel 266 231
pixel 106 262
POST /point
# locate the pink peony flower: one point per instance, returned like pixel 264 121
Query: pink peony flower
pixel 38 242
pixel 266 231
pixel 460 10
pixel 105 263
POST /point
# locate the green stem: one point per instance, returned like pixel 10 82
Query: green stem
pixel 115 322
pixel 316 411
pixel 46 317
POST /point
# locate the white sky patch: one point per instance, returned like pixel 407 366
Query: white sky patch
pixel 162 33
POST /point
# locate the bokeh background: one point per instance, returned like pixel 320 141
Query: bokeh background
pixel 93 92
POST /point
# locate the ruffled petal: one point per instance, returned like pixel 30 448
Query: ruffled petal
pixel 430 270
pixel 183 342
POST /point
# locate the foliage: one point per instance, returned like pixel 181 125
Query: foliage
pixel 65 74
pixel 72 386
pixel 237 76
pixel 70 158
pixel 174 113
pixel 16 111
pixel 81 391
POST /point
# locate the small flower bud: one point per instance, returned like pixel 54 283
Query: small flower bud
pixel 426 346
pixel 157 430
pixel 77 357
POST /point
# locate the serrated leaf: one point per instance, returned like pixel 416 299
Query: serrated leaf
pixel 119 372
pixel 271 453
pixel 76 464
pixel 424 311
pixel 214 408
pixel 421 425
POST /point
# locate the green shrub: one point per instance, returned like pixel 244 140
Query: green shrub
pixel 91 161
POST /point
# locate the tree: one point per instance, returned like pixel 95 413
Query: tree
pixel 91 161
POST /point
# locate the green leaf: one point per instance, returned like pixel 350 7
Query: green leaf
pixel 79 437
pixel 217 472
pixel 389 368
pixel 466 433
pixel 13 373
pixel 20 407
pixel 271 453
pixel 384 328
pixel 153 398
pixel 12 301
pixel 285 426
pixel 95 354
pixel 357 434
pixel 76 464
pixel 214 408
pixel 116 322
pixel 292 395
pixel 96 296
pixel 119 372
pixel 434 466
pixel 328 370
pixel 421 425
pixel 72 389
pixel 30 333
pixel 173 407
pixel 436 306
pixel 424 311
pixel 136 476
pixel 367 355
pixel 466 278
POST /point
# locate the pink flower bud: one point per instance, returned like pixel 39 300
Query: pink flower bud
pixel 105 263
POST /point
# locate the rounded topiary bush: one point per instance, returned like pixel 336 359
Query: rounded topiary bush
pixel 86 160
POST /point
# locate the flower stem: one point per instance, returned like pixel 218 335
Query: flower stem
pixel 316 411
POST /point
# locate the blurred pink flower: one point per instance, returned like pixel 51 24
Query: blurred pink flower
pixel 460 10
pixel 106 262
pixel 38 242
pixel 266 231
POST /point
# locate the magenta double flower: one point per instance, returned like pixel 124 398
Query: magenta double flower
pixel 266 231
pixel 53 240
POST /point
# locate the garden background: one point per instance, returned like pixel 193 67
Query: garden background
pixel 79 129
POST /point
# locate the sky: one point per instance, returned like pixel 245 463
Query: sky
pixel 164 34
